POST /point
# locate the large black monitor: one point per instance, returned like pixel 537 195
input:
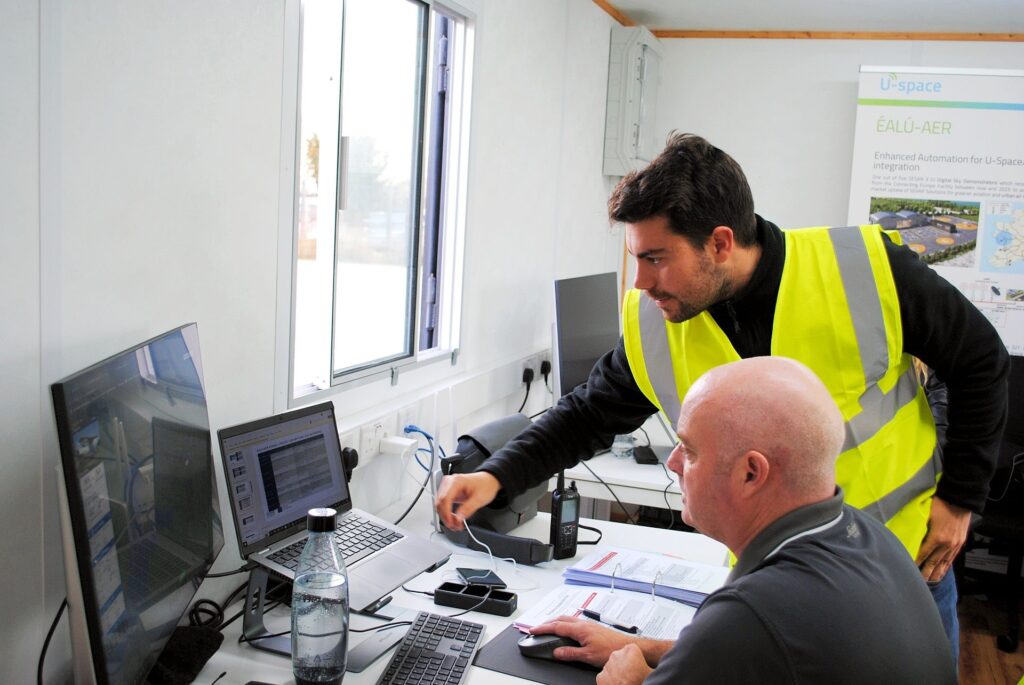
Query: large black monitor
pixel 139 505
pixel 586 326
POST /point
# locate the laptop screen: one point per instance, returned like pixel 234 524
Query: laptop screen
pixel 279 468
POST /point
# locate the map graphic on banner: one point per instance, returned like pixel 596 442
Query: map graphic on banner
pixel 939 156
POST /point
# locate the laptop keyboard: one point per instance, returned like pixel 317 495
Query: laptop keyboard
pixel 356 537
pixel 437 649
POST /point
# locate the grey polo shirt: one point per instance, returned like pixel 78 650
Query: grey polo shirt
pixel 824 594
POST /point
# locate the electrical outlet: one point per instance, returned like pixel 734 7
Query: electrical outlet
pixel 350 439
pixel 370 435
pixel 369 439
pixel 406 415
pixel 532 363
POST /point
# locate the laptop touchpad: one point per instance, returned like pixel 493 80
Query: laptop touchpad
pixel 377 577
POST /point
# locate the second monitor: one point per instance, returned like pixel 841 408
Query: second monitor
pixel 586 327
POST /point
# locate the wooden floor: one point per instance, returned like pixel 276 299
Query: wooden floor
pixel 981 662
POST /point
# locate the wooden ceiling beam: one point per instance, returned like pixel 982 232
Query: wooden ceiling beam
pixel 618 15
pixel 614 12
pixel 842 35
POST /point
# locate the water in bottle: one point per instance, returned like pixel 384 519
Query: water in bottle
pixel 320 606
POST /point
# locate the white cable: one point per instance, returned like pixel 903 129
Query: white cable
pixel 1016 459
pixel 490 555
pixel 494 566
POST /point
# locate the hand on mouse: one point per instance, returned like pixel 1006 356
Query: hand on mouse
pixel 597 642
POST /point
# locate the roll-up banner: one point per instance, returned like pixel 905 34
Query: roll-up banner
pixel 939 156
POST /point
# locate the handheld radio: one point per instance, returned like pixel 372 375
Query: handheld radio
pixel 565 519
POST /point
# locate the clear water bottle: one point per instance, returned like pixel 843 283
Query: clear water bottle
pixel 320 605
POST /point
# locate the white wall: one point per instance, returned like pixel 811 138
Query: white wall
pixel 143 193
pixel 785 109
pixel 21 474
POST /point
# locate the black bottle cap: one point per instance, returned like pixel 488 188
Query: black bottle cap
pixel 320 520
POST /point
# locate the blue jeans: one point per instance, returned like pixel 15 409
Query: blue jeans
pixel 944 594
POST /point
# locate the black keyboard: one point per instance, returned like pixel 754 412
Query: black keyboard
pixel 356 537
pixel 437 649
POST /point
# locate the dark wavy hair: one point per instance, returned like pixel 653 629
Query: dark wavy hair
pixel 695 186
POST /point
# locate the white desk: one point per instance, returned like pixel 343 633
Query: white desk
pixel 242 663
pixel 632 483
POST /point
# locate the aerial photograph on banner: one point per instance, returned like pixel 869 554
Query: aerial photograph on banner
pixel 941 231
pixel 1002 249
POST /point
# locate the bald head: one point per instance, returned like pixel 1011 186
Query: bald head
pixel 779 408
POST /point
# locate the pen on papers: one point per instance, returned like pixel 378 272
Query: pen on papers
pixel 589 613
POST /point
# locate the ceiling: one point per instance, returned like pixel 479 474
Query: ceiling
pixel 902 16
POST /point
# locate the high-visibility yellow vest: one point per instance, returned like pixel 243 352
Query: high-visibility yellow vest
pixel 838 313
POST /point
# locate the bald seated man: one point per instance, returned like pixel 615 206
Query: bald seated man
pixel 821 593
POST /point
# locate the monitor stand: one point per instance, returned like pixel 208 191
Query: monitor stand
pixel 359 657
pixel 253 629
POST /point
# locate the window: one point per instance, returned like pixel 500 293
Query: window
pixel 379 189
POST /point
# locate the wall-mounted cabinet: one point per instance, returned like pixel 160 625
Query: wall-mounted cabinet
pixel 634 67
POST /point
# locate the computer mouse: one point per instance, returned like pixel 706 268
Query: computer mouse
pixel 543 646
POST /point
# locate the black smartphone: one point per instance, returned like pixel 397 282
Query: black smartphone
pixel 643 454
pixel 480 576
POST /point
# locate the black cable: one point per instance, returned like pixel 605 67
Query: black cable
pixel 668 505
pixel 205 612
pixel 533 416
pixel 46 642
pixel 476 606
pixel 243 639
pixel 419 592
pixel 248 567
pixel 430 472
pixel 1016 459
pixel 622 506
pixel 384 626
pixel 641 429
pixel 527 396
pixel 590 542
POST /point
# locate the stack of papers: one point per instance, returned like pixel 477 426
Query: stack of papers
pixel 663 575
pixel 660 619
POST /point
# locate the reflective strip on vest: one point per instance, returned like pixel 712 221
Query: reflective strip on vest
pixel 654 339
pixel 862 298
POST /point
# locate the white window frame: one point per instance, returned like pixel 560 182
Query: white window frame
pixel 452 221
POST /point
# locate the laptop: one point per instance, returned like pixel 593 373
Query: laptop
pixel 280 467
pixel 174 536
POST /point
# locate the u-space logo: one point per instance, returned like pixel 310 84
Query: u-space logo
pixel 905 86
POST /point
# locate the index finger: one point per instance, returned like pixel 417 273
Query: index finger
pixel 558 626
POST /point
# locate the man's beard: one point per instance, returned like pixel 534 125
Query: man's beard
pixel 681 310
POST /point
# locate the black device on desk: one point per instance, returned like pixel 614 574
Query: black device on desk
pixel 480 576
pixel 565 519
pixel 491 523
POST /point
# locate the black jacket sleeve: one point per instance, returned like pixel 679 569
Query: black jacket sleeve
pixel 581 423
pixel 942 328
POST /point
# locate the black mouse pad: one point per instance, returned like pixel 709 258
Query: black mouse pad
pixel 502 654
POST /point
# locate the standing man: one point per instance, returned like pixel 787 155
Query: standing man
pixel 821 592
pixel 716 283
